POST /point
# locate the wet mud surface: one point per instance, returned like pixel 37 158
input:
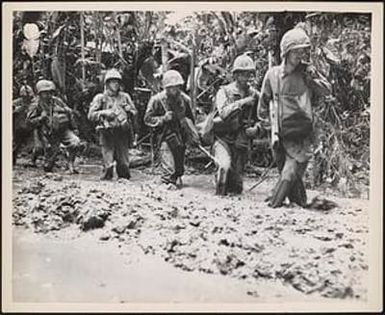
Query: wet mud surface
pixel 287 252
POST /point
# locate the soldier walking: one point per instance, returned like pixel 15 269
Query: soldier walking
pixel 114 112
pixel 234 126
pixel 290 89
pixel 55 124
pixel 169 113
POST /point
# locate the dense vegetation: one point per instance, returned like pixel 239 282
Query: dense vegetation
pixel 73 49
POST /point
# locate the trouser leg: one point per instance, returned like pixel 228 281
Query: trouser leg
pixel 279 156
pixel 285 182
pixel 167 164
pixel 40 145
pixel 72 143
pixel 52 152
pixel 222 153
pixel 235 179
pixel 121 155
pixel 298 191
pixel 107 143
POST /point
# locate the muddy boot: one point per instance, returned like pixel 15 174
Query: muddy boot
pixel 282 191
pixel 179 183
pixel 298 194
pixel 108 173
pixel 48 165
pixel 221 183
pixel 72 169
pixel 123 171
pixel 48 168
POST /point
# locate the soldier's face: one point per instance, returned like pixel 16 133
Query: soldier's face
pixel 173 91
pixel 114 85
pixel 244 77
pixel 45 95
pixel 295 56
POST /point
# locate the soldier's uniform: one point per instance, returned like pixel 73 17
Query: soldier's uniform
pixel 22 132
pixel 55 124
pixel 295 91
pixel 115 129
pixel 171 135
pixel 231 145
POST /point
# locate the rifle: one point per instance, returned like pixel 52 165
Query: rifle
pixel 274 111
pixel 208 154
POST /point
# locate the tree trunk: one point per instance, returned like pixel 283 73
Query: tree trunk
pixel 82 49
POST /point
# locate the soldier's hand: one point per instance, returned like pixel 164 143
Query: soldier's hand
pixel 169 116
pixel 44 118
pixel 252 132
pixel 196 142
pixel 247 101
pixel 108 114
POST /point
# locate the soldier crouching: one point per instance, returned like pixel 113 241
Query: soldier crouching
pixel 113 111
pixel 54 123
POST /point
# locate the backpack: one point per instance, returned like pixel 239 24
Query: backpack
pixel 213 125
pixel 293 123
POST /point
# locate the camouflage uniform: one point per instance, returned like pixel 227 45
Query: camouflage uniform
pixel 114 133
pixel 171 135
pixel 58 127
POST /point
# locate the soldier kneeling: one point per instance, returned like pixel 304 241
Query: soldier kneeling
pixel 55 124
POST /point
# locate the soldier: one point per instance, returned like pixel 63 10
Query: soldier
pixel 21 131
pixel 114 113
pixel 55 124
pixel 289 89
pixel 233 127
pixel 169 113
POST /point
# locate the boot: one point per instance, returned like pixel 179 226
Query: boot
pixel 298 193
pixel 108 173
pixel 221 183
pixel 123 171
pixel 280 194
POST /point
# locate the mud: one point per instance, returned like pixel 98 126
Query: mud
pixel 315 252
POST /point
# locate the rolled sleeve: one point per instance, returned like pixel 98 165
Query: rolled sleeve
pixel 130 107
pixel 153 117
pixel 226 109
pixel 95 108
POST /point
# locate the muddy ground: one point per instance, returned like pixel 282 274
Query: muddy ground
pixel 185 245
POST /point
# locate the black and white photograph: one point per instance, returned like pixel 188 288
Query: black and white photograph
pixel 210 154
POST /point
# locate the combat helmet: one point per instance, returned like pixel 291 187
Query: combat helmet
pixel 243 63
pixel 293 39
pixel 112 74
pixel 45 85
pixel 172 78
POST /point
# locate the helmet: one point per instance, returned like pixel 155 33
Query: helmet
pixel 112 74
pixel 172 78
pixel 26 90
pixel 45 85
pixel 293 39
pixel 243 63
